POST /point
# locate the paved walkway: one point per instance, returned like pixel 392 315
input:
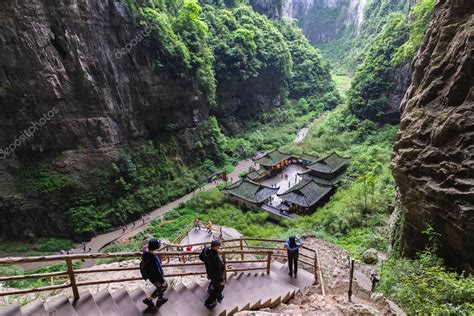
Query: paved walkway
pixel 100 241
pixel 286 179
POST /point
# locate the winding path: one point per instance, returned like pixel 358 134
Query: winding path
pixel 100 241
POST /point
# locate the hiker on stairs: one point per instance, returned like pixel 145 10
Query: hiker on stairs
pixel 215 272
pixel 151 269
pixel 292 246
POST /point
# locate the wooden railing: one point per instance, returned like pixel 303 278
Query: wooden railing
pixel 233 252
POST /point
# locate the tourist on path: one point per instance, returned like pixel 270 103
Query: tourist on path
pixel 151 269
pixel 292 246
pixel 197 224
pixel 215 272
pixel 209 227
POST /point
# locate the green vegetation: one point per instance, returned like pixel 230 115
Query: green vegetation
pixel 39 246
pixel 147 177
pixel 310 78
pixel 36 177
pixel 212 206
pixel 425 286
pixel 343 83
pixel 419 20
pixel 39 282
pixel 376 78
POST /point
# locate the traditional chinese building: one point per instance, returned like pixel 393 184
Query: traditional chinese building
pixel 274 161
pixel 327 171
pixel 305 196
pixel 249 194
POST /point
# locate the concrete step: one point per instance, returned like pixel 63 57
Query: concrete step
pixel 107 304
pixel 303 280
pixel 125 303
pixel 169 308
pixel 232 302
pixel 60 306
pixel 193 306
pixel 268 290
pixel 35 308
pixel 86 305
pixel 11 310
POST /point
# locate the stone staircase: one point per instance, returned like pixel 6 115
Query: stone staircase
pixel 243 291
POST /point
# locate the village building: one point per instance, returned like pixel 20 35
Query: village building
pixel 274 161
pixel 328 171
pixel 306 190
pixel 305 197
pixel 307 159
pixel 249 194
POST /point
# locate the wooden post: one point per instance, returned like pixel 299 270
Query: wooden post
pixel 241 249
pixel 225 268
pixel 269 258
pixel 351 275
pixel 315 267
pixel 72 279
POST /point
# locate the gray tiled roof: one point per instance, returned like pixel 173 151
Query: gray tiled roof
pixel 309 157
pixel 329 164
pixel 250 191
pixel 337 178
pixel 306 193
pixel 272 158
pixel 255 174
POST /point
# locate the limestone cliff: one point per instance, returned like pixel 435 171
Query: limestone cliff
pixel 325 20
pixel 433 160
pixel 85 70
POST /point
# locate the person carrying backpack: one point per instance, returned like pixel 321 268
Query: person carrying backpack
pixel 215 272
pixel 151 269
pixel 292 246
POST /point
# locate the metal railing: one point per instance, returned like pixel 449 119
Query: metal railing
pixel 235 253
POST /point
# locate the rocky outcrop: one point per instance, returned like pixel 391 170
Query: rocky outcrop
pixel 66 55
pixel 325 20
pixel 433 160
pixel 241 100
pixel 273 9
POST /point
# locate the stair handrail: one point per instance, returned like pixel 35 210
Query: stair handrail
pixel 268 253
pixel 71 273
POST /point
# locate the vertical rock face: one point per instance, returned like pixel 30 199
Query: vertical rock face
pixel 271 8
pixel 324 20
pixel 433 160
pixel 88 61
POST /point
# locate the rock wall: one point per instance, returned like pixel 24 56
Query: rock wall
pixel 433 160
pixel 78 83
pixel 325 20
pixel 273 9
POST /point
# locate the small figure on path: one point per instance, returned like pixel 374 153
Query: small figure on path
pixel 209 227
pixel 123 229
pixel 215 273
pixel 374 280
pixel 133 224
pixel 292 246
pixel 197 224
pixel 151 269
pixel 84 245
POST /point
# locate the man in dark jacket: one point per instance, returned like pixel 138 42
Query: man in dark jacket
pixel 152 270
pixel 292 246
pixel 215 272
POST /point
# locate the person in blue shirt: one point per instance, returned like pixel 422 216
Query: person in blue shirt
pixel 292 246
pixel 152 270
